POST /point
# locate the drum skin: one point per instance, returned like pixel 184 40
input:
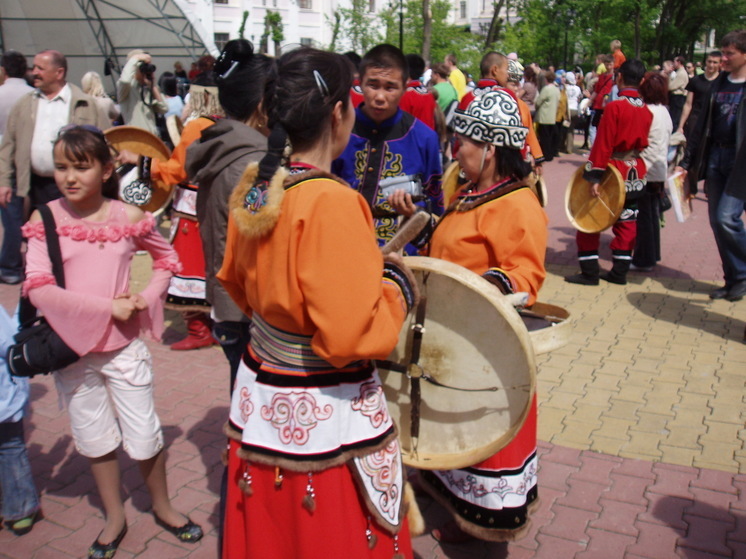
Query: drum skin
pixel 593 215
pixel 144 143
pixel 473 339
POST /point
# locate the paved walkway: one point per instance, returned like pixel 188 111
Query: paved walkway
pixel 642 423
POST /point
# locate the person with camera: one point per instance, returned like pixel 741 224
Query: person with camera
pixel 138 95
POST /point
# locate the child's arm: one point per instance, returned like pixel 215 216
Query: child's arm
pixel 165 263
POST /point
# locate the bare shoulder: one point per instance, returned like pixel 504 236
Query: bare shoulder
pixel 35 217
pixel 134 214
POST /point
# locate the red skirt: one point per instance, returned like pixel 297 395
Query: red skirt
pixel 186 291
pixel 492 500
pixel 272 523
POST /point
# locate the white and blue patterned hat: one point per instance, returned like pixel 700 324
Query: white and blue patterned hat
pixel 492 118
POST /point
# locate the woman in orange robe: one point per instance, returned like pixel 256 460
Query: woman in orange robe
pixel 314 467
pixel 496 228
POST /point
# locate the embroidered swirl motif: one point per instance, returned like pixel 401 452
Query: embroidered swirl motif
pixel 372 404
pixel 632 183
pixel 256 197
pixel 382 467
pixel 492 118
pixel 137 193
pixel 246 407
pixel 294 415
pixel 501 487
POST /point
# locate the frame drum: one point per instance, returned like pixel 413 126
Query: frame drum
pixel 593 215
pixel 476 369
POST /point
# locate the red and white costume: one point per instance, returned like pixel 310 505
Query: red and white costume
pixel 621 138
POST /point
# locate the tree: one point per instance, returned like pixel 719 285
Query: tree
pixel 243 24
pixel 493 32
pixel 445 38
pixel 273 28
pixel 357 26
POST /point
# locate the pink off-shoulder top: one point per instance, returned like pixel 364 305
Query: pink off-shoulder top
pixel 96 258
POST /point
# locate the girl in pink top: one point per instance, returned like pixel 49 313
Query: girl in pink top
pixel 98 317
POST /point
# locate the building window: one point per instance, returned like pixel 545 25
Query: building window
pixel 306 42
pixel 463 9
pixel 306 4
pixel 220 39
pixel 222 1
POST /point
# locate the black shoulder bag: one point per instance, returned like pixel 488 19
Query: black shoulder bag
pixel 38 348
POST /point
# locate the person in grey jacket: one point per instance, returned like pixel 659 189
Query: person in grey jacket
pixel 215 163
pixel 718 151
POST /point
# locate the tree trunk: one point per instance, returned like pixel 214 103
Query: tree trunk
pixel 427 29
pixel 494 30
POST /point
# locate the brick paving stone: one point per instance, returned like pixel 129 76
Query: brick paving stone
pixel 568 523
pixel 618 517
pixel 553 547
pixel 609 545
pixel 714 505
pixel 706 535
pixel 655 541
pixel 627 489
pixel 666 510
pixel 673 480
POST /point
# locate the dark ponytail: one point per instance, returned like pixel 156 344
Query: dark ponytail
pixel 240 75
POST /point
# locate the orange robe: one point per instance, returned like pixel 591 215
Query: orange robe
pixel 317 276
pixel 508 233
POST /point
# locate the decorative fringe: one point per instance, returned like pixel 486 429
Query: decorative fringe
pixel 309 501
pixel 244 484
pixel 414 515
pixel 370 536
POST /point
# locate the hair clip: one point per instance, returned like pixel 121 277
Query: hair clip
pixel 229 71
pixel 321 84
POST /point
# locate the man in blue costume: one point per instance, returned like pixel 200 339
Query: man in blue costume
pixel 387 142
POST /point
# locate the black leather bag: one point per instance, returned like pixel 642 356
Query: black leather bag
pixel 38 348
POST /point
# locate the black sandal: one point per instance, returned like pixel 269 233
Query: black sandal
pixel 189 532
pixel 100 550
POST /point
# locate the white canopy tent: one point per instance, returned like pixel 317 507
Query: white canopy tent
pixel 98 34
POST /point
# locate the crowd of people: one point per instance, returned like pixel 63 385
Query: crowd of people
pixel 291 173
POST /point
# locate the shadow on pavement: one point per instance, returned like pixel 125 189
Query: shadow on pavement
pixel 677 310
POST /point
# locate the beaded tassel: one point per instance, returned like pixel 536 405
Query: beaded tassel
pixel 370 536
pixel 309 501
pixel 244 483
pixel 278 477
pixel 397 555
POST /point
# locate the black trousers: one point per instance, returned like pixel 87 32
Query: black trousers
pixel 43 190
pixel 648 243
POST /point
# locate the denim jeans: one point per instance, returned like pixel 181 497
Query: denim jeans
pixel 233 338
pixel 16 482
pixel 725 212
pixel 11 263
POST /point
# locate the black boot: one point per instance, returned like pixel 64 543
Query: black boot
pixel 588 275
pixel 618 272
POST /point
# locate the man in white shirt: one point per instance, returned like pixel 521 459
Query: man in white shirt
pixel 14 66
pixel 26 162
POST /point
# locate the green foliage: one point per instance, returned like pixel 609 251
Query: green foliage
pixel 564 32
pixel 243 24
pixel 358 26
pixel 446 38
